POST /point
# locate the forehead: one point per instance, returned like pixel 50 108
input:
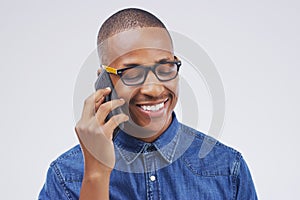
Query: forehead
pixel 135 40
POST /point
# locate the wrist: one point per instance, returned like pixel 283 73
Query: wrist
pixel 97 169
pixel 97 176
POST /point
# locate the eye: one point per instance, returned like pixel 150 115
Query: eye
pixel 133 74
pixel 167 69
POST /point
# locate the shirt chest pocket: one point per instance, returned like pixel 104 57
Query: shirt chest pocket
pixel 210 177
pixel 208 184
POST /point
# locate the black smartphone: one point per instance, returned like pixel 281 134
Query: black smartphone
pixel 104 81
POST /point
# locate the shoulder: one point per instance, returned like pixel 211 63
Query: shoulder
pixel 64 176
pixel 208 156
pixel 72 154
pixel 69 165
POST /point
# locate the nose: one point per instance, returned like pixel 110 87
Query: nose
pixel 152 86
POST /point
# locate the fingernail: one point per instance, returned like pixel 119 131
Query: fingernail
pixel 108 88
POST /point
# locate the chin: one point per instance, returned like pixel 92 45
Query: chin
pixel 146 127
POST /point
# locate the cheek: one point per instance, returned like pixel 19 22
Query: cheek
pixel 173 87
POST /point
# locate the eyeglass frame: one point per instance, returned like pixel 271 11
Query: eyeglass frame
pixel 147 68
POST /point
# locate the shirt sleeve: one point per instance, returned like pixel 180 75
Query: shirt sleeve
pixel 53 188
pixel 245 189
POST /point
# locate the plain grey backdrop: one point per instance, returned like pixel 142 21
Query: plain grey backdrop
pixel 255 46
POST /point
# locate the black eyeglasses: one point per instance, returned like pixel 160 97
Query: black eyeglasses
pixel 137 74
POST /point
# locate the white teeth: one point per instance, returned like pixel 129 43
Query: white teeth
pixel 153 107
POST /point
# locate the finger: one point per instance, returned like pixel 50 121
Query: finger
pixel 115 121
pixel 98 103
pixel 100 98
pixel 106 108
pixel 99 94
pixel 89 103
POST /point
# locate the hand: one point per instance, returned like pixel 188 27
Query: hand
pixel 95 135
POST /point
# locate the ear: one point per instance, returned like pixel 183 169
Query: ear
pixel 99 71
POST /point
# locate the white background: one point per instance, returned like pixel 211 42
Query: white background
pixel 254 44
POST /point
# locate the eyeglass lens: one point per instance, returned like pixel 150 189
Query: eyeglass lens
pixel 137 75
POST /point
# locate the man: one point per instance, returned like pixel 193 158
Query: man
pixel 152 155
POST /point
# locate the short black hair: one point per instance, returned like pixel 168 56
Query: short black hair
pixel 127 19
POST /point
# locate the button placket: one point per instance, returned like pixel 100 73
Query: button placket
pixel 150 173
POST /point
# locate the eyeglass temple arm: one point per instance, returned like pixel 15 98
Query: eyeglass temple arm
pixel 110 69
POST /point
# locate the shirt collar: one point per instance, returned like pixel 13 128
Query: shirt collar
pixel 130 147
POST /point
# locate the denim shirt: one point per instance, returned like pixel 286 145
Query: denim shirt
pixel 168 168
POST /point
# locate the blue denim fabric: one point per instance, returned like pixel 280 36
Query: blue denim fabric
pixel 169 168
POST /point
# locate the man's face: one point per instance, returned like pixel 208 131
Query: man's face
pixel 149 105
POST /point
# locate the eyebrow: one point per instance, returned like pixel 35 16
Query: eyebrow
pixel 162 60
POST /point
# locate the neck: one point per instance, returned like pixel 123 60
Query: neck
pixel 147 135
pixel 150 139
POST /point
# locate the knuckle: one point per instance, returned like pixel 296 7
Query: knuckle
pixel 90 129
pixel 116 103
pixel 80 127
pixel 101 108
pixel 115 121
pixel 124 118
pixel 106 106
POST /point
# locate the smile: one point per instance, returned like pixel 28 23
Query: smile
pixel 153 107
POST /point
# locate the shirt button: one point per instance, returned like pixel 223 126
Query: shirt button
pixel 152 178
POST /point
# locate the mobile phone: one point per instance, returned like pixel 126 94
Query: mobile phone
pixel 104 81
